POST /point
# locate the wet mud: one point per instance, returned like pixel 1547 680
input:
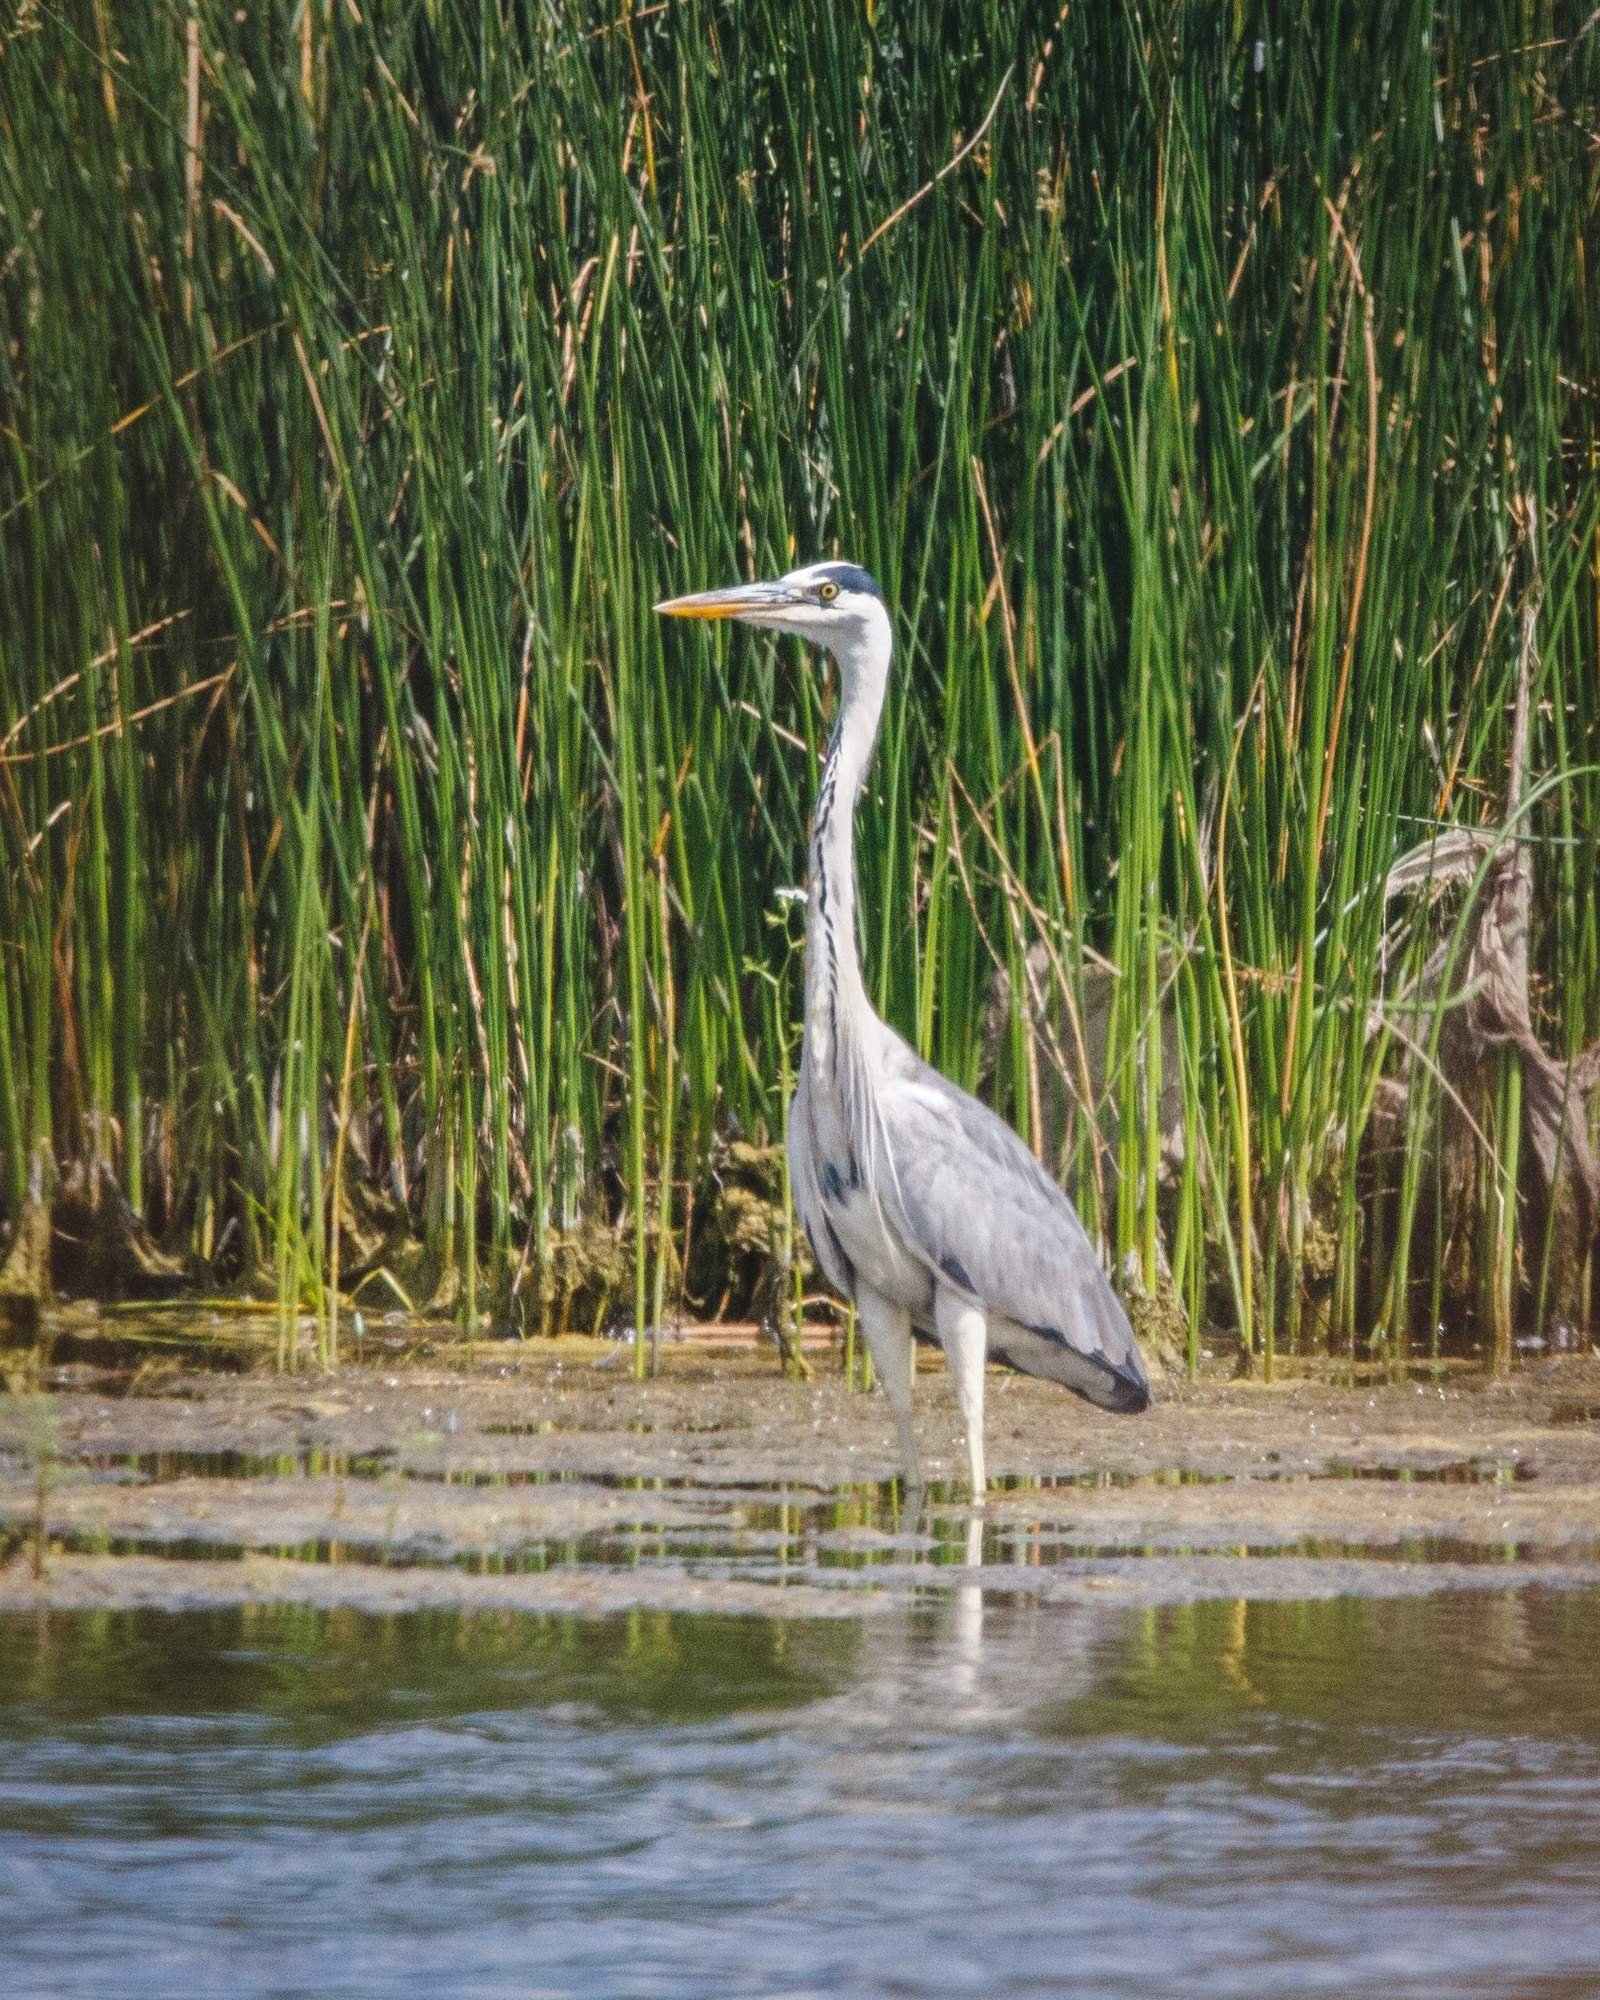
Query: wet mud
pixel 539 1476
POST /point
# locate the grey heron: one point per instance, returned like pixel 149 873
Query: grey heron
pixel 921 1205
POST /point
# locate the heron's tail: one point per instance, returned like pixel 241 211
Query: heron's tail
pixel 1110 1374
pixel 1122 1387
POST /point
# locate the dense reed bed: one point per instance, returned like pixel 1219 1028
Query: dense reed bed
pixel 1213 391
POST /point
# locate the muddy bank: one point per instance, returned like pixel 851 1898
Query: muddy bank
pixel 538 1476
pixel 87 1583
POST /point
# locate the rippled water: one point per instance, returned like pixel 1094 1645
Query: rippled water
pixel 964 1794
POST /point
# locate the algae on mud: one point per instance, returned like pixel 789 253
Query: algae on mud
pixel 520 1476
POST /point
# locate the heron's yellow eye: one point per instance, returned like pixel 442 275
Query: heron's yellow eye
pixel 828 592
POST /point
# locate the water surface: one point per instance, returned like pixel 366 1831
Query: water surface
pixel 967 1794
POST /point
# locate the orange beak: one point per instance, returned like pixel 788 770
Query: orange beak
pixel 742 600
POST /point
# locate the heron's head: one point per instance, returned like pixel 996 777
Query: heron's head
pixel 834 604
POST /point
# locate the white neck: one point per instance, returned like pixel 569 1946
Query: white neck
pixel 836 999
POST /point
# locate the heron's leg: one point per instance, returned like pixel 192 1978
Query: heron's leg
pixel 964 1336
pixel 888 1331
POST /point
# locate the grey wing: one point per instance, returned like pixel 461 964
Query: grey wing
pixel 985 1216
pixel 809 1205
